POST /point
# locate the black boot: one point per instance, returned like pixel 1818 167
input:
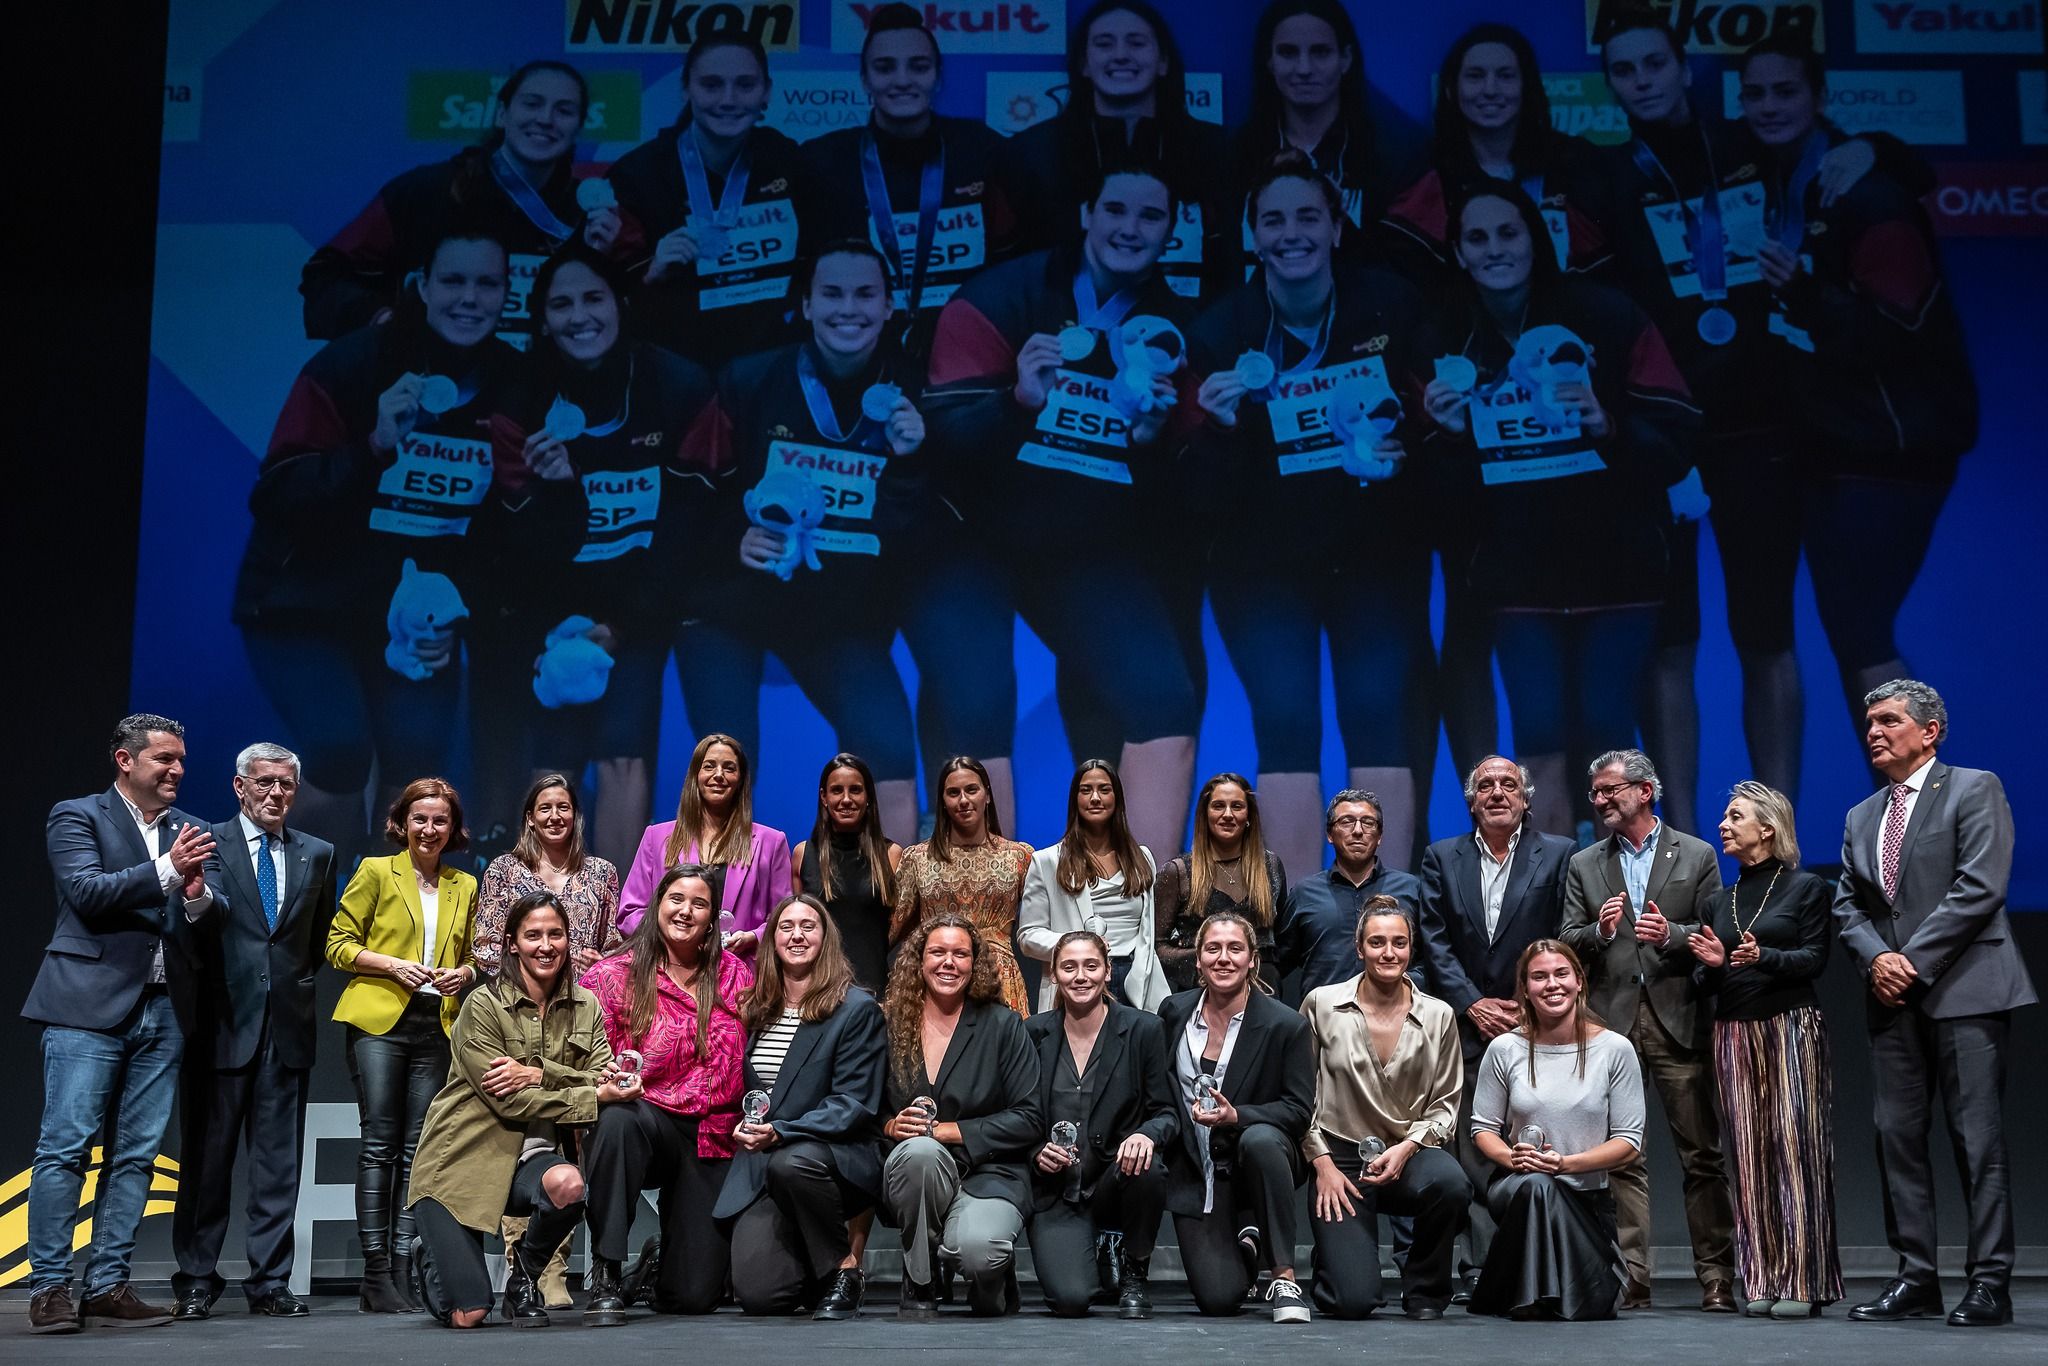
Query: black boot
pixel 1133 1293
pixel 606 1307
pixel 917 1303
pixel 379 1293
pixel 1109 1268
pixel 842 1301
pixel 405 1277
pixel 637 1287
pixel 524 1305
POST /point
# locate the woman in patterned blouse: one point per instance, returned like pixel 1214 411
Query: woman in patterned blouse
pixel 968 869
pixel 672 998
pixel 550 857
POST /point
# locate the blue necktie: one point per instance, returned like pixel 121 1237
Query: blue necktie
pixel 266 883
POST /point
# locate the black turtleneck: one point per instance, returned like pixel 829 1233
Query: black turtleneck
pixel 1792 923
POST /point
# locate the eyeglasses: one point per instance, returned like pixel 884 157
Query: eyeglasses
pixel 1606 790
pixel 1355 823
pixel 268 784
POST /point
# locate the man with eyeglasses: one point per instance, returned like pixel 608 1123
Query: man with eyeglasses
pixel 1630 902
pixel 1317 931
pixel 249 1056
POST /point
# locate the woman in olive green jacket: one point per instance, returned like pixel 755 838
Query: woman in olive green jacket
pixel 530 1059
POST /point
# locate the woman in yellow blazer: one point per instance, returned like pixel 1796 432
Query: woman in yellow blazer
pixel 403 930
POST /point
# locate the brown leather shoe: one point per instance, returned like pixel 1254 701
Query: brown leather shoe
pixel 52 1310
pixel 121 1307
pixel 1637 1296
pixel 1717 1298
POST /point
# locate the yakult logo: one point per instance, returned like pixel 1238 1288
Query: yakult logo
pixel 966 25
pixel 1957 26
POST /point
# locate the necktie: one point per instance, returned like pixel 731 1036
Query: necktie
pixel 1894 841
pixel 266 883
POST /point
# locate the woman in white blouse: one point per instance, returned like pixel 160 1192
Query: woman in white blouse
pixel 1097 878
pixel 1557 1105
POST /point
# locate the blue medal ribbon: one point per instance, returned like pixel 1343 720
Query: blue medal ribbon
pixel 866 433
pixel 1788 222
pixel 527 198
pixel 931 188
pixel 1276 334
pixel 1703 232
pixel 1100 317
pixel 697 184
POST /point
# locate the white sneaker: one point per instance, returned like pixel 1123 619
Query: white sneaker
pixel 1289 1304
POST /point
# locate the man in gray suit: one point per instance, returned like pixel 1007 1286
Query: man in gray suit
pixel 1921 906
pixel 249 1052
pixel 111 994
pixel 1630 900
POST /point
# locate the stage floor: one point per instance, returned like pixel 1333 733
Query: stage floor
pixel 1677 1333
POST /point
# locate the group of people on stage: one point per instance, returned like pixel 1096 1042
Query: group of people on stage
pixel 740 398
pixel 786 1044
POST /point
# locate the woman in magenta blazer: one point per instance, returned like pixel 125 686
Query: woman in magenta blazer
pixel 715 825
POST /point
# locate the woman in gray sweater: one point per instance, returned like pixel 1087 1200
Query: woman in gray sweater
pixel 1558 1104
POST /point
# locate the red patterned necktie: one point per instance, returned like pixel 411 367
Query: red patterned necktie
pixel 1894 840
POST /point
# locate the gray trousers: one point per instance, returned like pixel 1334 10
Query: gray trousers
pixel 1685 1082
pixel 922 1197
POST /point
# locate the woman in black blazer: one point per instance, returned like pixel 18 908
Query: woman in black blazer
pixel 1246 1077
pixel 1102 1067
pixel 962 1101
pixel 817 1049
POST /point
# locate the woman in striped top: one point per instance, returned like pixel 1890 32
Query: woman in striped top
pixel 809 1165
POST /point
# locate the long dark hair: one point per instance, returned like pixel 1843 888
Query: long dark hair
pixel 527 850
pixel 874 845
pixel 1258 886
pixel 1450 140
pixel 648 952
pixel 760 1005
pixel 1354 113
pixel 1169 100
pixel 1075 870
pixel 734 841
pixel 472 167
pixel 940 845
pixel 903 1002
pixel 510 968
pixel 1544 273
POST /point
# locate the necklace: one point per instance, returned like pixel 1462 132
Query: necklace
pixel 1735 904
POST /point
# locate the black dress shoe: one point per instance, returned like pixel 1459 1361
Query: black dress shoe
pixel 842 1301
pixel 279 1304
pixel 1900 1300
pixel 917 1303
pixel 1468 1285
pixel 1983 1305
pixel 1422 1313
pixel 193 1305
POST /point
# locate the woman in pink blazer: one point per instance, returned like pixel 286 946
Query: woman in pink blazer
pixel 714 824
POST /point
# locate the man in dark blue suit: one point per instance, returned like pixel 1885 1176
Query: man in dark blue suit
pixel 1486 897
pixel 130 867
pixel 249 1054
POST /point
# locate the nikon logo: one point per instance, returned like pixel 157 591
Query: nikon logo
pixel 674 25
pixel 1714 26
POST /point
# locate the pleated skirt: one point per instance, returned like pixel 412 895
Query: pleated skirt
pixel 1777 1118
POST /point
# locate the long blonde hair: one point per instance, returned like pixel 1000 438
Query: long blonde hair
pixel 1258 886
pixel 760 1005
pixel 734 842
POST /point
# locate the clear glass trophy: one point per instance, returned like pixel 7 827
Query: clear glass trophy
pixel 1533 1135
pixel 1206 1091
pixel 1067 1134
pixel 754 1107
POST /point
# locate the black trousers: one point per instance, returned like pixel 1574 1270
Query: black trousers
pixel 1432 1190
pixel 262 1105
pixel 1063 1234
pixel 451 1257
pixel 1912 1057
pixel 1258 1190
pixel 637 1147
pixel 791 1240
pixel 396 1074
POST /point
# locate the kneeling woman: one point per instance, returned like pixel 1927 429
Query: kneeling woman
pixel 530 1058
pixel 672 998
pixel 1247 1085
pixel 1102 1069
pixel 962 1101
pixel 811 1161
pixel 1558 1104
